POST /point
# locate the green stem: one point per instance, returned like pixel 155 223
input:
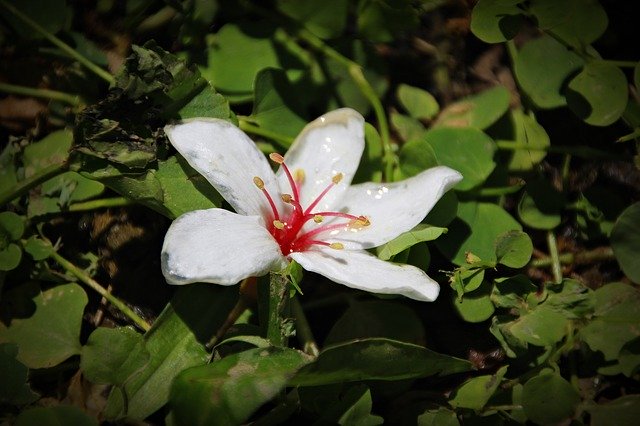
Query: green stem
pixel 25 185
pixel 584 258
pixel 40 93
pixel 248 127
pixel 59 43
pixel 100 204
pixel 93 284
pixel 556 268
pixel 303 329
pixel 278 309
pixel 355 71
pixel 498 191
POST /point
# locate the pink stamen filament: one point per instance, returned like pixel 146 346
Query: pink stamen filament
pixel 287 232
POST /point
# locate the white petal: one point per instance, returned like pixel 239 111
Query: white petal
pixel 217 246
pixel 229 160
pixel 327 146
pixel 392 208
pixel 359 269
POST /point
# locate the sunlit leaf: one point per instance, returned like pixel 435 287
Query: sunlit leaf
pixel 625 241
pixel 422 232
pixel 496 21
pixel 228 391
pixel 514 249
pixel 548 398
pixel 479 111
pixel 475 392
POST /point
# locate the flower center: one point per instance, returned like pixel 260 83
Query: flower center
pixel 287 227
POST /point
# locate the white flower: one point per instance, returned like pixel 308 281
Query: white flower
pixel 307 211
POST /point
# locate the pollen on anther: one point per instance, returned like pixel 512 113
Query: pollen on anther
pixel 278 224
pixel 363 221
pixel 336 246
pixel 286 198
pixel 276 158
pixel 259 182
pixel 318 218
pixel 337 178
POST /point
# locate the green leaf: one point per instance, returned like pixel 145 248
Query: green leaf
pixel 496 21
pixel 541 205
pixel 10 256
pixel 514 249
pixel 51 334
pixel 543 326
pixel 598 94
pixel 439 417
pixel 420 233
pixel 12 225
pixel 476 229
pixel 14 386
pixel 475 392
pixel 542 67
pixel 55 416
pixel 416 156
pixel 276 104
pixel 207 103
pixel 408 128
pixel 467 150
pixel 111 354
pixel 548 398
pixel 8 172
pixel 145 189
pixel 359 411
pixel 56 194
pixel 479 111
pixel 475 306
pixel 52 15
pixel 577 22
pixel 38 248
pixel 616 316
pixel 184 189
pixel 532 141
pixel 381 20
pixel 625 241
pixel 636 75
pixel 623 411
pixel 174 343
pixel 240 50
pixel 376 359
pixel 228 391
pixel 377 318
pixel 325 19
pixel 515 292
pixel 417 102
pixel 52 149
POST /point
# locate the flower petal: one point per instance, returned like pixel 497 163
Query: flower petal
pixel 327 146
pixel 361 270
pixel 217 246
pixel 392 208
pixel 229 160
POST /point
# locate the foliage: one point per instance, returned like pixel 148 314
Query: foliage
pixel 535 251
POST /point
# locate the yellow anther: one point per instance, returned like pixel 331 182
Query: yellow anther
pixel 337 178
pixel 276 158
pixel 318 218
pixel 278 224
pixel 363 221
pixel 259 182
pixel 286 198
pixel 337 246
pixel 299 175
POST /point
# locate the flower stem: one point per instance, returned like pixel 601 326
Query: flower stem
pixel 93 284
pixel 555 257
pixel 303 329
pixel 355 71
pixel 25 185
pixel 59 43
pixel 41 93
pixel 277 308
pixel 100 204
pixel 584 258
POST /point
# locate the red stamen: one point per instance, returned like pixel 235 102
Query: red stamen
pixel 334 181
pixel 277 158
pixel 260 184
